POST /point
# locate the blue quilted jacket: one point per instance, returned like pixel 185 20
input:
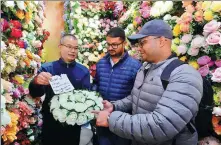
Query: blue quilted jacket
pixel 116 82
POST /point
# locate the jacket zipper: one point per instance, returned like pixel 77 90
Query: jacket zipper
pixel 67 66
pixel 107 93
pixel 141 88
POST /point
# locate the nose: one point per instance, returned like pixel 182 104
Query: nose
pixel 109 47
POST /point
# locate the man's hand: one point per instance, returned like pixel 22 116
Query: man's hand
pixel 102 118
pixel 108 106
pixel 43 78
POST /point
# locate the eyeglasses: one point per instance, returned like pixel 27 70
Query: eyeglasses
pixel 114 46
pixel 141 43
pixel 70 48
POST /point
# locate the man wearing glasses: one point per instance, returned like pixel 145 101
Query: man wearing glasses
pixel 162 109
pixel 115 75
pixel 53 132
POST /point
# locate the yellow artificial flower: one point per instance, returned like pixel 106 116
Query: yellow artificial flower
pixel 208 15
pixel 183 58
pixel 19 79
pixel 135 23
pixel 176 30
pixel 176 40
pixel 20 14
pixel 28 17
pixel 194 64
pixel 29 54
pixel 216 6
pixel 11 129
pixel 206 5
pixel 174 49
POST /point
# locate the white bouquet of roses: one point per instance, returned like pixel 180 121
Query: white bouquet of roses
pixel 75 106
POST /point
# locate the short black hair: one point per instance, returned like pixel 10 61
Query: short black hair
pixel 117 32
pixel 67 35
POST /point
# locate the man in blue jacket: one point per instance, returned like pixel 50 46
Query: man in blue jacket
pixel 115 75
pixel 53 132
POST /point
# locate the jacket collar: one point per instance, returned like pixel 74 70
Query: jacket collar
pixel 63 63
pixel 147 65
pixel 124 57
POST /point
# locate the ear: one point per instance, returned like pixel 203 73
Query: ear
pixel 162 41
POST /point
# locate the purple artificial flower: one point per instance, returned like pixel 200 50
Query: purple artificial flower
pixel 203 60
pixel 204 71
pixel 218 63
pixel 16 93
pixel 138 20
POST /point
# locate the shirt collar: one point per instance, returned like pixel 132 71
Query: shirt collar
pixel 71 64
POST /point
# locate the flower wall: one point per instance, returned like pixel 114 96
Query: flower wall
pixel 21 49
pixel 196 28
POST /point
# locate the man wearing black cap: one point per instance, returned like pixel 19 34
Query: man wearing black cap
pixel 163 105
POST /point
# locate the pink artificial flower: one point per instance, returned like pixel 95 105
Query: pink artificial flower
pixel 204 71
pixel 186 38
pixel 218 63
pixel 25 109
pixel 198 41
pixel 217 75
pixel 203 60
pixel 145 12
pixel 144 4
pixel 108 21
pixel 211 63
pixel 212 26
pixel 36 44
pixel 193 51
pixel 185 27
pixel 182 49
pixel 190 9
pixel 40 122
pixel 138 20
pixel 214 38
pixel 16 93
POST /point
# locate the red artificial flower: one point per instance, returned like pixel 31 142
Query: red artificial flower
pixel 4 25
pixel 16 33
pixel 16 24
pixel 12 40
pixel 21 44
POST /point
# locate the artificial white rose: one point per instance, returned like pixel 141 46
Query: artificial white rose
pixel 167 17
pixel 2 64
pixel 155 12
pixel 63 98
pixel 79 97
pixel 168 5
pixel 21 5
pixel 71 118
pixel 158 4
pixel 54 104
pixel 69 105
pixel 62 115
pixel 82 119
pixel 56 112
pixel 90 116
pixel 89 103
pixel 3 101
pixel 33 64
pixel 80 107
pixel 10 4
pixel 5 118
pixel 78 10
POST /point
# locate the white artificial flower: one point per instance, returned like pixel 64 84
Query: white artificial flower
pixel 33 64
pixel 3 46
pixel 10 4
pixel 54 104
pixel 22 64
pixel 71 118
pixel 87 53
pixel 5 118
pixel 21 5
pixel 154 12
pixel 36 2
pixel 63 98
pixel 96 53
pixel 3 101
pixel 82 119
pixel 62 115
pixel 2 64
pixel 78 10
pixel 96 108
pixel 167 17
pixel 80 107
pixel 68 105
pixel 90 116
pixel 89 103
pixel 168 5
pixel 96 17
